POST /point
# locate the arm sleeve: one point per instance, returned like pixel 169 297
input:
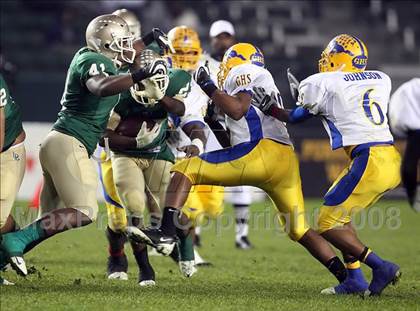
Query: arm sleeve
pixel 311 96
pixel 179 84
pixel 3 92
pixel 299 114
pixel 93 65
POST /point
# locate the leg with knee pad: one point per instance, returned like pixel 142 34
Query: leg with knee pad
pixel 134 201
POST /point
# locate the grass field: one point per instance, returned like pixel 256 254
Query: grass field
pixel 69 271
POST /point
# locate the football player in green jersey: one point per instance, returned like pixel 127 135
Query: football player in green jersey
pixel 68 198
pixel 12 160
pixel 140 164
pixel 12 155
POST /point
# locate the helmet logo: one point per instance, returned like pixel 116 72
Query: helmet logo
pixel 257 59
pixel 359 61
pixel 234 54
pixel 338 48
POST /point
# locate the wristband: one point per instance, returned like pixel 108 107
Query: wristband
pixel 209 88
pixel 148 38
pixel 199 144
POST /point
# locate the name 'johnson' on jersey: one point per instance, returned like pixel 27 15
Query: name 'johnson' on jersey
pixel 353 105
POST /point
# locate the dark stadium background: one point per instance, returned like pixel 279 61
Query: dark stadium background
pixel 39 39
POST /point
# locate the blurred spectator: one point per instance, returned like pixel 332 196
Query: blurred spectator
pixel 222 37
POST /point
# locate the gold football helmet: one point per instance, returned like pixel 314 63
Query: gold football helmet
pixel 131 20
pixel 238 54
pixel 187 46
pixel 110 36
pixel 344 53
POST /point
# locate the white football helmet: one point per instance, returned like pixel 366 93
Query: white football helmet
pixel 132 21
pixel 110 36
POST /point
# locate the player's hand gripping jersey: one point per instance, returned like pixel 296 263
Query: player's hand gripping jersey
pixel 255 125
pixel 353 105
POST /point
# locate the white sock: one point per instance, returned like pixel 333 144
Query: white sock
pixel 198 230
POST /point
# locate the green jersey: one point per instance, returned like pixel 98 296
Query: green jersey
pixel 85 115
pixel 179 87
pixel 12 115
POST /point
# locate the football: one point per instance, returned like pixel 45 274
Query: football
pixel 130 126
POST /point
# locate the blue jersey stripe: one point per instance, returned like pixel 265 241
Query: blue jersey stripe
pixel 336 137
pixel 229 154
pixel 254 124
pixel 345 187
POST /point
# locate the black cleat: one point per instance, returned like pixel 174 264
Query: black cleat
pixel 243 243
pixel 117 268
pixel 164 244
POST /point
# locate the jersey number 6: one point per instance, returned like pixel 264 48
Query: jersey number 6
pixel 367 107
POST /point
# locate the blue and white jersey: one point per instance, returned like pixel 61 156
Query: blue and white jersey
pixel 255 125
pixel 404 108
pixel 353 106
pixel 195 110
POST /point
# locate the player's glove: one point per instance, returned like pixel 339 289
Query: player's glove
pixel 160 38
pixel 262 100
pixel 293 84
pixel 203 79
pixel 154 88
pixel 145 136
